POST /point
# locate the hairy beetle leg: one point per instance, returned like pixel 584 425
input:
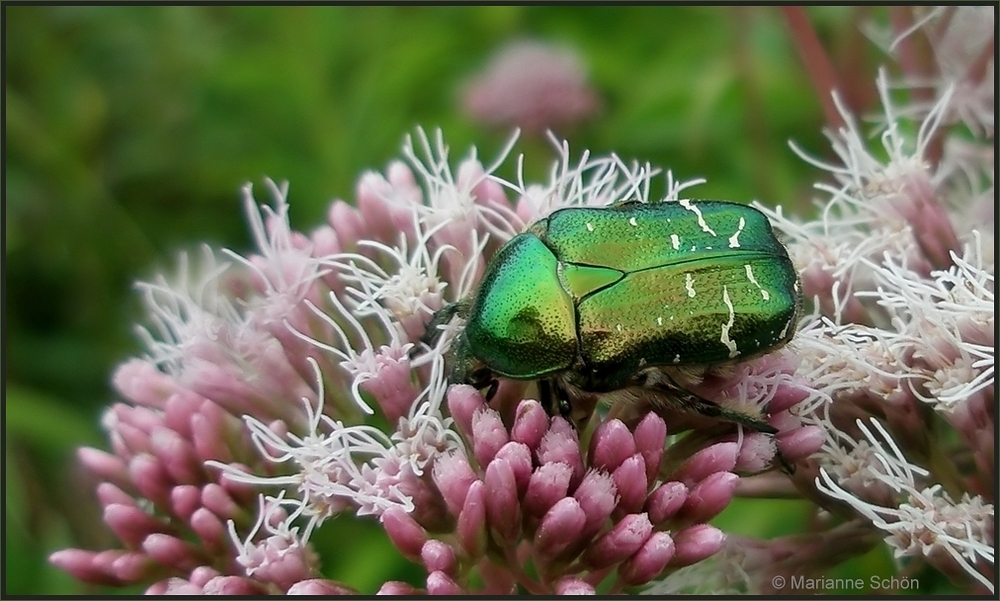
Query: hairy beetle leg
pixel 692 402
pixel 483 378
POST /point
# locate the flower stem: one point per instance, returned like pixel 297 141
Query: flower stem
pixel 816 61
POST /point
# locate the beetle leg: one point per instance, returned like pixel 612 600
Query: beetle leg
pixel 567 401
pixel 483 378
pixel 545 396
pixel 441 317
pixel 555 399
pixel 702 406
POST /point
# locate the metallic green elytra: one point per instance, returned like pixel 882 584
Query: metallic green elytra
pixel 588 298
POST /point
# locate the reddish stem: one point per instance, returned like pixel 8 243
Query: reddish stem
pixel 917 60
pixel 977 70
pixel 817 62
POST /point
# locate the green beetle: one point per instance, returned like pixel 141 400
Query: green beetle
pixel 589 301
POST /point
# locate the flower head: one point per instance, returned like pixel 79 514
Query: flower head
pixel 532 86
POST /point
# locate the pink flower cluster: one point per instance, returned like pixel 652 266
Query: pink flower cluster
pixel 533 509
pixel 532 86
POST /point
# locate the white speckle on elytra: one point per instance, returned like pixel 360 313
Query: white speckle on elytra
pixel 689 284
pixel 632 222
pixel 734 241
pixel 590 226
pixel 675 241
pixel 725 339
pixel 659 321
pixel 677 358
pixel 618 327
pixel 784 330
pixel 701 218
pixel 763 293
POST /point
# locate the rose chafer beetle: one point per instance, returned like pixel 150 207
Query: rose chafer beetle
pixel 591 301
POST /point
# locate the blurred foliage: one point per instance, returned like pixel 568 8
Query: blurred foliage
pixel 129 131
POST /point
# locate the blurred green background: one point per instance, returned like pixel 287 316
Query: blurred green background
pixel 129 131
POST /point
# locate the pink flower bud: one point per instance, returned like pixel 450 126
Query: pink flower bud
pixel 131 524
pixel 530 423
pixel 439 583
pixel 497 579
pixel 488 435
pixel 518 456
pixel 141 418
pixel 709 497
pixel 453 477
pixel 210 529
pixel 756 453
pixel 177 455
pixel 503 513
pixel 133 566
pixel 547 485
pixel 485 190
pixel 404 531
pixel 215 498
pixel 234 585
pixel 208 437
pixel 429 509
pixel 610 445
pixel 665 501
pixel 918 203
pixel 175 586
pixel 720 457
pixel 650 437
pixel 105 561
pixel 597 496
pixel 695 543
pixel 319 587
pixel 624 539
pixel 177 412
pixel 438 557
pixel 561 445
pixel 81 565
pixel 560 528
pixel 280 561
pixel 786 396
pixel 648 561
pixel 347 222
pixel 108 494
pixel 463 402
pixel 184 500
pixel 373 193
pixel 800 442
pixel 171 551
pixel 392 386
pixel 574 587
pixel 471 528
pixel 630 481
pixel 129 441
pixel 394 587
pixel 151 479
pixel 104 465
pixel 142 383
pixel 202 574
